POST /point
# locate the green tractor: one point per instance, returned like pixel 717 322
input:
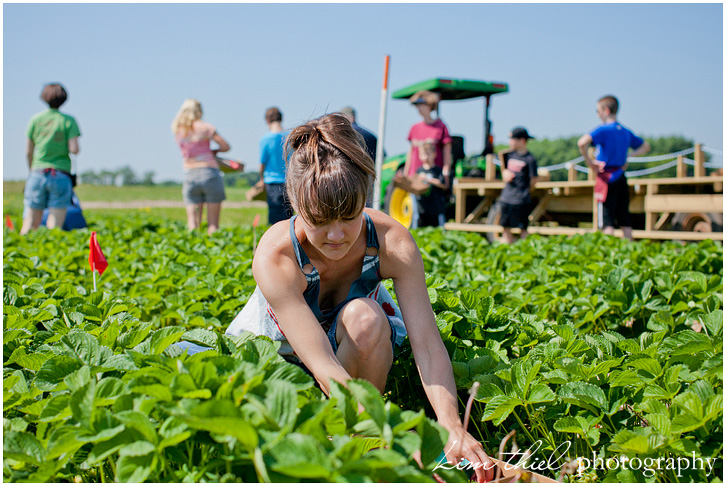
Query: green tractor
pixel 400 204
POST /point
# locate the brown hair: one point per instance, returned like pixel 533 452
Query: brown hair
pixel 610 102
pixel 329 172
pixel 54 94
pixel 273 115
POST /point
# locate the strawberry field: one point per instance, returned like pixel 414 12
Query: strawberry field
pixel 586 346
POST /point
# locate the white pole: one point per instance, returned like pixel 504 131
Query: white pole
pixel 381 134
pixel 93 271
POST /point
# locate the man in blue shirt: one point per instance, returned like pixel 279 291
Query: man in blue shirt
pixel 611 159
pixel 272 168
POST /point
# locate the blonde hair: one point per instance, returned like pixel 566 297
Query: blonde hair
pixel 329 172
pixel 432 99
pixel 190 111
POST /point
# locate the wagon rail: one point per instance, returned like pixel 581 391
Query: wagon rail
pixel 684 207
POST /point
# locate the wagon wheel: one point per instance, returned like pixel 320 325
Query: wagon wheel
pixel 401 206
pixel 493 217
pixel 698 222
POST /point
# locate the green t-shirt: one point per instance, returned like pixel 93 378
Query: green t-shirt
pixel 50 132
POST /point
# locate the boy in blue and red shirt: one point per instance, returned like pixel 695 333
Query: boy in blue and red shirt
pixel 611 158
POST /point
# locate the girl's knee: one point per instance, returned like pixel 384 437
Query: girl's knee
pixel 365 323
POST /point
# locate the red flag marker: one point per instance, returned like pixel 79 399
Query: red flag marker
pixel 9 223
pixel 256 221
pixel 95 258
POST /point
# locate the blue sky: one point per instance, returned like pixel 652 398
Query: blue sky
pixel 128 67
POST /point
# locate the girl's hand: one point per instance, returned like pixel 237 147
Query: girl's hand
pixel 461 445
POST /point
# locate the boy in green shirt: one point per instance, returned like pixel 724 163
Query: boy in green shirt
pixel 52 136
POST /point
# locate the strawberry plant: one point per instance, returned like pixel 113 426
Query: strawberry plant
pixel 612 347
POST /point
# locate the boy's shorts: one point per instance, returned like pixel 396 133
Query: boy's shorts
pixel 514 215
pixel 203 185
pixel 278 205
pixel 47 189
pixel 616 208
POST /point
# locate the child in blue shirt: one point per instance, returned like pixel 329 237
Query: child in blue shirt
pixel 611 187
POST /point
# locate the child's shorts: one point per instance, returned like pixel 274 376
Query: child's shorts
pixel 514 215
pixel 203 185
pixel 47 189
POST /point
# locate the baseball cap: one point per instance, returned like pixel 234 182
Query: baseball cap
pixel 347 110
pixel 520 132
pixel 419 101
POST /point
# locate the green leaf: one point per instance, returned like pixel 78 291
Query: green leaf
pixel 499 408
pixel 435 438
pixel 572 425
pixel 83 347
pixel 369 396
pixel 685 423
pixel 282 401
pixel 541 393
pixel 235 427
pixel 56 409
pixel 714 323
pixel 649 365
pixel 134 469
pixel 660 422
pixel 580 393
pixel 156 390
pixel 53 371
pixel 630 442
pixel 165 337
pixel 24 447
pixel 138 448
pixel 139 422
pixel 300 456
pixel 487 391
pixel 81 402
pixel 108 390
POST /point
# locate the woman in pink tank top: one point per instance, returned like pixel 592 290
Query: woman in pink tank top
pixel 202 177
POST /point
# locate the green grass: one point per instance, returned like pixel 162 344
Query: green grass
pixel 13 202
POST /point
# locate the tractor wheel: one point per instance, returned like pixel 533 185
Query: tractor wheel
pixel 493 217
pixel 401 205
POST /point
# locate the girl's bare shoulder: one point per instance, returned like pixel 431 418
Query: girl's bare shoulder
pixel 394 239
pixel 275 251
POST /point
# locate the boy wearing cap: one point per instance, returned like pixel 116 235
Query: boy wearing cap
pixel 430 130
pixel 611 187
pixel 520 174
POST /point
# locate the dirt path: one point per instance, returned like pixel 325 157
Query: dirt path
pixel 164 204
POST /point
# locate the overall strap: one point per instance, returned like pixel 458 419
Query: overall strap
pixel 302 258
pixel 372 236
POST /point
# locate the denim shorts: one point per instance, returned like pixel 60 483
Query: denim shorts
pixel 203 185
pixel 51 189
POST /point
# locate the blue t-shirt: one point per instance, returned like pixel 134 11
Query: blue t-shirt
pixel 271 156
pixel 613 141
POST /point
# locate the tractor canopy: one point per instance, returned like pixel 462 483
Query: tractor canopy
pixel 453 89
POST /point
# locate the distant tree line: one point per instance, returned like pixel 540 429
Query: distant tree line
pixel 125 176
pixel 552 152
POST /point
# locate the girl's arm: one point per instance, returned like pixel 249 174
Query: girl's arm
pixel 282 283
pixel 401 261
pixel 223 145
